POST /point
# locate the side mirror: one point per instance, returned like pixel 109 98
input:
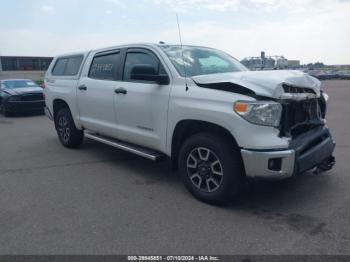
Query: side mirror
pixel 148 73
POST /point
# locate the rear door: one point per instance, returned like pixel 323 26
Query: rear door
pixel 142 107
pixel 95 92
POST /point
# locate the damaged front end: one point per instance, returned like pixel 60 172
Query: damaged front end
pixel 302 121
pixel 300 115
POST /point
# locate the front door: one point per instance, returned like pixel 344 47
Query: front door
pixel 141 106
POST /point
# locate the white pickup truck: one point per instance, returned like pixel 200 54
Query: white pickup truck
pixel 218 122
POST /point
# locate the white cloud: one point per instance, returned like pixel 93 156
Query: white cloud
pixel 186 5
pixel 321 36
pixel 293 6
pixel 117 3
pixel 47 9
pixel 321 33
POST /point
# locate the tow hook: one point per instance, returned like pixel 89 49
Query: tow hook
pixel 325 165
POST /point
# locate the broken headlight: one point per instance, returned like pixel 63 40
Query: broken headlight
pixel 263 113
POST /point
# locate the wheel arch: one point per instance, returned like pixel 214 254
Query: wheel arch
pixel 187 128
pixel 58 104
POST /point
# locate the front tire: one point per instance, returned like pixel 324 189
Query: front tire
pixel 5 112
pixel 67 132
pixel 211 168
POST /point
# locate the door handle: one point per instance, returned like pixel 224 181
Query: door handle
pixel 82 87
pixel 120 90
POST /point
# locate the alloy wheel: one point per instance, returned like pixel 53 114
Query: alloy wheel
pixel 64 129
pixel 204 169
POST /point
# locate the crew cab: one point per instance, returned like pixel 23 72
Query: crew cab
pixel 218 122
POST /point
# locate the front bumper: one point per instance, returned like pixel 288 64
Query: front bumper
pixel 305 152
pixel 24 106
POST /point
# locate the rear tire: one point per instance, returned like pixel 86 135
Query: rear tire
pixel 67 132
pixel 211 168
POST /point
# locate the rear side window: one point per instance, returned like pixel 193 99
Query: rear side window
pixel 67 66
pixel 138 58
pixel 73 65
pixel 60 66
pixel 105 66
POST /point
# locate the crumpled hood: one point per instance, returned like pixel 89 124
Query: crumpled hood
pixel 23 90
pixel 265 83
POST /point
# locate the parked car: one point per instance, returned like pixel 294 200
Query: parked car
pixel 344 75
pixel 20 95
pixel 218 122
pixel 324 75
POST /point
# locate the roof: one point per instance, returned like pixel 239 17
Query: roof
pixel 145 44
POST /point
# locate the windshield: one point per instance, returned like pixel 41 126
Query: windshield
pixel 11 84
pixel 201 61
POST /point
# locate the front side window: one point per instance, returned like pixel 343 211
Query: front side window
pixel 193 61
pixel 139 58
pixel 105 67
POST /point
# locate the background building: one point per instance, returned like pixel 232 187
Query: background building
pixel 294 63
pixel 24 67
pixel 269 62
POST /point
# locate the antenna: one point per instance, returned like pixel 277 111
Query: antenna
pixel 182 51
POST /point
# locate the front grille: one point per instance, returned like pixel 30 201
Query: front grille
pixel 295 90
pixel 32 97
pixel 301 116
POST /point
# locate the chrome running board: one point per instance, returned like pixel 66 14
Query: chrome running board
pixel 137 150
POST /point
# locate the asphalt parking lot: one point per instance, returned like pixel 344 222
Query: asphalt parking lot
pixel 99 200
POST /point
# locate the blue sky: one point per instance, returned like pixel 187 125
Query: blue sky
pixel 309 30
